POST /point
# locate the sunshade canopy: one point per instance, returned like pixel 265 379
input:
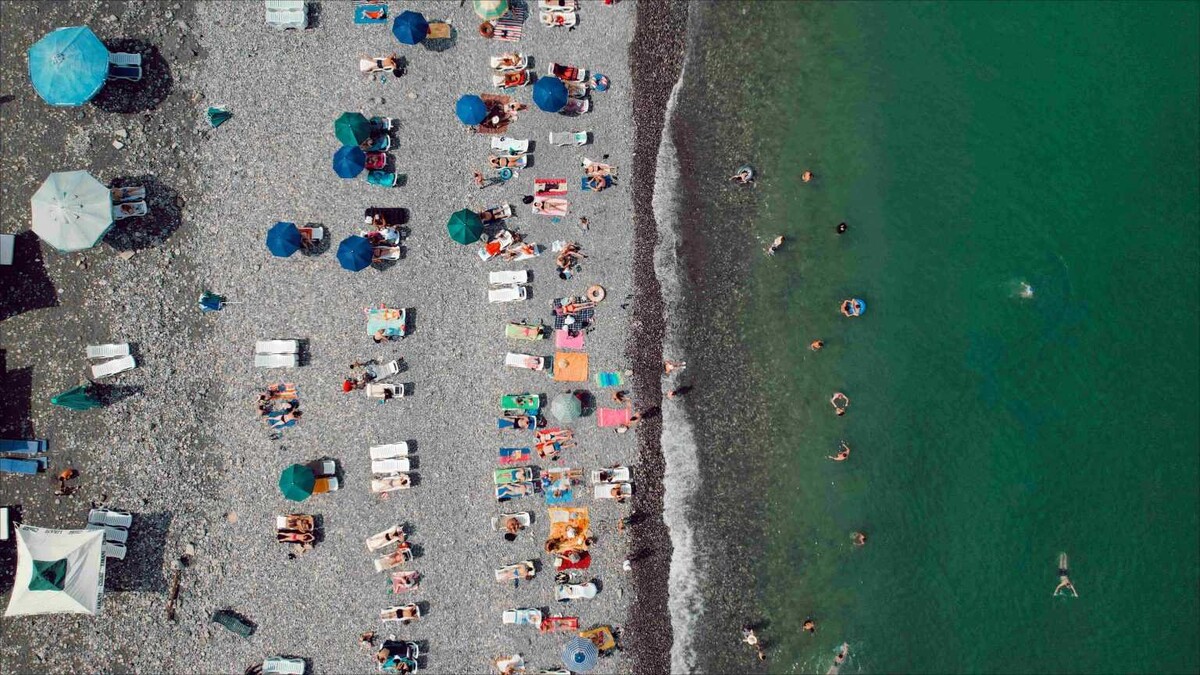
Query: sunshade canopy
pixel 58 572
pixel 550 94
pixel 68 66
pixel 352 128
pixel 579 655
pixel 283 239
pixel 470 109
pixel 355 253
pixel 349 161
pixel 566 407
pixel 78 397
pixel 296 482
pixel 410 27
pixel 72 211
pixel 465 226
pixel 490 10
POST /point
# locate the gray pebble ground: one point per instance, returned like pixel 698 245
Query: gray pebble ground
pixel 185 451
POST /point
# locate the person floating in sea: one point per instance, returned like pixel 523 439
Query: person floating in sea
pixel 843 454
pixel 775 245
pixel 807 176
pixel 744 175
pixel 810 625
pixel 859 538
pixel 1064 581
pixel 842 655
pixel 840 402
pixel 842 227
pixel 751 639
pixel 816 345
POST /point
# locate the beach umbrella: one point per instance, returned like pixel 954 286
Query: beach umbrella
pixel 470 109
pixel 283 239
pixel 355 253
pixel 296 482
pixel 465 226
pixel 68 66
pixel 550 94
pixel 349 161
pixel 72 211
pixel 57 572
pixel 410 27
pixel 217 115
pixel 579 655
pixel 490 10
pixel 352 128
pixel 566 408
pixel 79 397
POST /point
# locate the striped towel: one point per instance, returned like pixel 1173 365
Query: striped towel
pixel 509 27
pixel 612 379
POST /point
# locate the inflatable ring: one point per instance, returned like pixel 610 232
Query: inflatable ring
pixel 595 293
pixel 486 29
pixel 506 173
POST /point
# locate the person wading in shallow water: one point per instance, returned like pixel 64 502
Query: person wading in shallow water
pixel 751 639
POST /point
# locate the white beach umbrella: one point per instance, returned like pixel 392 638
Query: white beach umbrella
pixel 58 572
pixel 72 211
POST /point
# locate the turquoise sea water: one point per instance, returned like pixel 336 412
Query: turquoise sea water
pixel 973 149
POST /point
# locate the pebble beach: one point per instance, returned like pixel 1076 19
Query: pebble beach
pixel 180 445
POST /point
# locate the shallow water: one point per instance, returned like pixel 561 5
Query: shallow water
pixel 1020 183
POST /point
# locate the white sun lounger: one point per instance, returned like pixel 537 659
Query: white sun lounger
pixel 396 481
pixel 284 14
pixel 568 137
pixel 381 390
pixel 508 294
pixel 393 608
pixel 389 561
pixel 325 467
pixel 521 516
pixel 522 616
pixel 277 347
pixel 506 573
pixel 116 535
pixel 604 490
pixel 497 63
pixel 577 106
pixel 514 360
pixel 112 550
pixel 109 351
pixel 379 539
pixel 388 369
pixel 129 210
pixel 563 19
pixel 117 365
pixel 275 360
pixel 620 474
pixel 575 591
pixel 109 518
pixel 278 665
pixel 8 242
pixel 389 451
pixel 510 146
pixel 508 277
pixel 397 465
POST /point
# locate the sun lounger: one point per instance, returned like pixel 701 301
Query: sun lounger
pixel 510 61
pixel 439 30
pixel 560 19
pixel 602 637
pixel 515 455
pixel 518 421
pixel 275 361
pixel 405 581
pixel 604 490
pixel 510 491
pixel 618 474
pixel 392 320
pixel 324 467
pixel 109 351
pixel 510 146
pixel 294 522
pixel 276 347
pixel 508 294
pixel 558 5
pixel 23 447
pixel 397 465
pixel 512 78
pixel 385 370
pixel 514 360
pixel 3 523
pixel 518 475
pixel 401 555
pixel 586 185
pixel 522 517
pixel 567 73
pixel 379 143
pixel 383 178
pixel 512 161
pixel 393 613
pixel 568 138
pixel 612 417
pixel 389 451
pixel 557 622
pixel 116 535
pixel 576 89
pixel 384 484
pixel 8 243
pixel 508 277
pixel 549 187
pixel 523 616
pixel 109 518
pixel 611 379
pixel 136 193
pixel 124 66
pixel 285 14
pixel 368 13
pixel 576 106
pixel 112 367
pixel 385 390
pixel 566 592
pixel 278 665
pixel 129 210
pixel 513 571
pixel 326 484
pixel 510 664
pixel 552 207
pixel 112 550
pixel 520 402
pixel 26 467
pixel 386 538
pixel 524 331
pixel 383 124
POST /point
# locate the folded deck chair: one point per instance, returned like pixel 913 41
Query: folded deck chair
pixel 26 467
pixel 604 490
pixel 112 550
pixel 117 365
pixel 116 535
pixel 521 516
pixel 110 518
pixel 397 465
pixel 508 277
pixel 620 474
pixel 277 347
pixel 613 379
pixel 285 14
pixel 382 390
pixel 278 665
pixel 109 351
pixel 612 417
pixel 389 451
pixel 275 361
pixel 23 447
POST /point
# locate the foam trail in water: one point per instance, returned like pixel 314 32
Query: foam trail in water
pixel 681 476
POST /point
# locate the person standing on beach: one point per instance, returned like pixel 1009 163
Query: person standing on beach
pixel 670 366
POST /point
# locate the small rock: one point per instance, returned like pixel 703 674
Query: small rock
pixel 121 133
pixel 412 95
pixel 118 144
pixel 231 517
pixel 125 255
pixel 189 550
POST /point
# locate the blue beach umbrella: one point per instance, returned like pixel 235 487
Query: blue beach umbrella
pixel 410 27
pixel 470 109
pixel 355 253
pixel 579 655
pixel 283 239
pixel 68 66
pixel 550 94
pixel 349 161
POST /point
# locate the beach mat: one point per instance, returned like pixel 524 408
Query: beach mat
pixel 570 367
pixel 612 417
pixel 509 27
pixel 613 379
pixel 564 340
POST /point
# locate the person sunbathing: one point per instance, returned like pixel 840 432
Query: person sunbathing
pixel 405 614
pixel 512 491
pixel 507 161
pixel 615 493
pixel 496 213
pixel 598 183
pixel 597 169
pixel 512 527
pixel 551 206
pixel 518 251
pixel 392 482
pixel 294 537
pixel 287 419
pixel 297 523
pixel 508 60
pixel 397 557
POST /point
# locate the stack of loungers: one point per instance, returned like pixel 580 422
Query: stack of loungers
pixel 116 530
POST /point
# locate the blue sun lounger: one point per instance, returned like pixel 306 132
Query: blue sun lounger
pixel 367 13
pixel 22 447
pixel 27 467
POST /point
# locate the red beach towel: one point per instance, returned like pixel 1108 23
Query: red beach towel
pixel 612 417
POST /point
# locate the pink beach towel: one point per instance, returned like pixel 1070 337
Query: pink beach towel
pixel 563 339
pixel 612 417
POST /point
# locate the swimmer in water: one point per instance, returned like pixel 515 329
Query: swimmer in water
pixel 816 345
pixel 807 176
pixel 1026 290
pixel 840 402
pixel 842 455
pixel 775 245
pixel 1064 581
pixel 858 538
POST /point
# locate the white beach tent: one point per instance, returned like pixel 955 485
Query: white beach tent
pixel 58 572
pixel 72 211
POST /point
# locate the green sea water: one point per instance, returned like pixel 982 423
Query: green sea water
pixel 974 150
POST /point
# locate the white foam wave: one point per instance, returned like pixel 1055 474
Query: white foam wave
pixel 681 474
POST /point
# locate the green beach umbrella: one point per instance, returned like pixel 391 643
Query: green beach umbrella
pixel 465 226
pixel 296 482
pixel 77 398
pixel 566 408
pixel 490 10
pixel 352 128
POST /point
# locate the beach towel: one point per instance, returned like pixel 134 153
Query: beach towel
pixel 548 187
pixel 570 367
pixel 613 379
pixel 564 340
pixel 508 27
pixel 612 417
pixel 389 319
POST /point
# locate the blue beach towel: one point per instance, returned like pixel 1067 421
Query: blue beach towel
pixel 361 11
pixel 612 379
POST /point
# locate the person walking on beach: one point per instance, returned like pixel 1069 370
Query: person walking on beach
pixel 840 402
pixel 816 345
pixel 1064 581
pixel 842 455
pixel 751 639
pixel 673 394
pixel 671 366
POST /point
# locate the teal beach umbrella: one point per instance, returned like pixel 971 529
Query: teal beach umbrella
pixel 352 128
pixel 465 226
pixel 77 398
pixel 68 66
pixel 296 482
